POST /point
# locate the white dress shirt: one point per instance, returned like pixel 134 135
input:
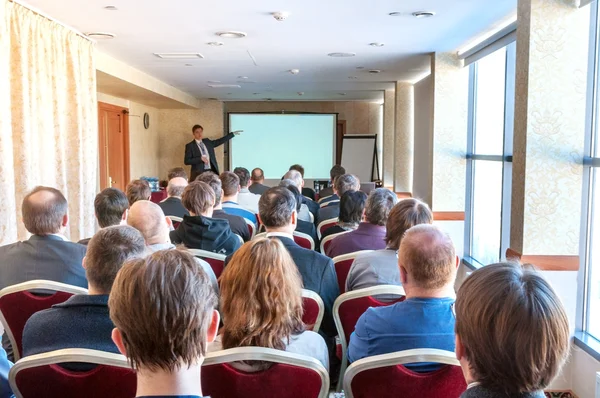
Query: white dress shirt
pixel 248 200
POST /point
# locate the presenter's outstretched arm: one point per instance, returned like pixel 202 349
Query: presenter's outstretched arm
pixel 226 138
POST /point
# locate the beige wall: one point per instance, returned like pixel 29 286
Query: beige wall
pixel 423 156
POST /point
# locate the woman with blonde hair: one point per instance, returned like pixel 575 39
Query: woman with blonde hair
pixel 261 304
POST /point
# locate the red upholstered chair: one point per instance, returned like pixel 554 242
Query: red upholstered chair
pixel 342 266
pixel 349 306
pixel 376 376
pixel 40 375
pixel 251 228
pixel 290 376
pixel 304 240
pixel 216 261
pixel 324 225
pixel 18 303
pixel 313 307
pixel 326 241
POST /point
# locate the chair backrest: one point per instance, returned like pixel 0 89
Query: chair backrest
pixel 321 204
pixel 342 266
pixel 176 220
pixel 304 240
pixel 41 376
pixel 323 198
pixel 261 235
pixel 349 306
pixel 326 241
pixel 240 238
pixel 312 217
pixel 251 227
pixel 376 376
pixel 324 225
pixel 216 261
pixel 313 307
pixel 18 303
pixel 290 376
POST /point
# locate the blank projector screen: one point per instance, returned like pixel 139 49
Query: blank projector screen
pixel 274 142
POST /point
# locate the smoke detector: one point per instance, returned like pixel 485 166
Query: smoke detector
pixel 294 71
pixel 281 15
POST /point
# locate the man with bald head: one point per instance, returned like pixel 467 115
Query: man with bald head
pixel 148 218
pixel 172 206
pixel 428 263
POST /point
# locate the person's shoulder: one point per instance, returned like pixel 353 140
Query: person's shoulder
pixel 44 319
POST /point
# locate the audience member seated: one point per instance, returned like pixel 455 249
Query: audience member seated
pixel 325 193
pixel 277 212
pixel 306 191
pixel 298 179
pixel 199 230
pixel 110 208
pixel 177 172
pixel 304 227
pixel 246 199
pixel 5 365
pixel 425 319
pixel 231 188
pixel 512 332
pixel 138 190
pixel 381 266
pixel 148 218
pixel 352 207
pixel 236 223
pixel 303 213
pixel 258 186
pixel 343 184
pixel 172 206
pixel 164 312
pixel 261 304
pixel 370 234
pixel 83 320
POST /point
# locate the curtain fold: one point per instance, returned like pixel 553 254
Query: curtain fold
pixel 49 120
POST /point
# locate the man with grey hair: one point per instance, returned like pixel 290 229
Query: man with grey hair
pixel 370 234
pixel 296 177
pixel 304 212
pixel 427 263
pixel 342 184
pixel 149 219
pixel 172 206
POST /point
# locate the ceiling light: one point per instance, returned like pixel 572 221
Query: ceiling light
pixel 213 81
pixel 232 34
pixel 179 55
pixel 215 43
pixel 376 44
pixel 224 85
pixel 111 8
pixel 300 92
pixel 341 55
pixel 294 71
pixel 281 15
pixel 395 14
pixel 375 71
pixel 242 77
pixel 423 14
pixel 101 35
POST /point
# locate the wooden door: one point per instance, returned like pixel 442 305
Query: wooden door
pixel 339 140
pixel 113 141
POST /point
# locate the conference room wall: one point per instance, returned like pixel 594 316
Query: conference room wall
pixel 423 141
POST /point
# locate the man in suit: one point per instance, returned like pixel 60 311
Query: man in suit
pixel 304 227
pixel 334 173
pixel 110 208
pixel 306 191
pixel 83 320
pixel 343 184
pixel 311 206
pixel 258 182
pixel 200 153
pixel 172 206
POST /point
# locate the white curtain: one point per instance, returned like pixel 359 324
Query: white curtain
pixel 48 118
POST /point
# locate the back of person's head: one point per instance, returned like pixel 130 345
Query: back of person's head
pixel 107 251
pixel 299 168
pixel 138 190
pixel 512 329
pixel 276 206
pixel 44 211
pixel 297 195
pixel 336 171
pixel 404 215
pixel 261 296
pixel 352 206
pixel 428 257
pixel 198 197
pixel 110 205
pixel 258 175
pixel 148 218
pixel 163 310
pixel 295 176
pixel 176 186
pixel 379 205
pixel 177 172
pixel 244 176
pixel 230 183
pixel 286 182
pixel 215 183
pixel 345 183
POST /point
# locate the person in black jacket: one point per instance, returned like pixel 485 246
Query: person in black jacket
pixel 172 206
pixel 200 153
pixel 305 227
pixel 199 230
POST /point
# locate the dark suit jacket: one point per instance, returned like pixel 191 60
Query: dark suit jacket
pixel 308 192
pixel 257 189
pixel 325 192
pixel 172 207
pixel 309 229
pixel 193 156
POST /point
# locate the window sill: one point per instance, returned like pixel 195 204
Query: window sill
pixel 588 344
pixel 471 263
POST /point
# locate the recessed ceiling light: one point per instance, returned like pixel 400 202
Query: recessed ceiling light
pixel 423 14
pixel 375 71
pixel 179 55
pixel 294 71
pixel 111 8
pixel 341 55
pixel 376 44
pixel 101 35
pixel 215 43
pixel 280 15
pixel 242 77
pixel 231 34
pixel 224 85
pixel 300 92
pixel 395 14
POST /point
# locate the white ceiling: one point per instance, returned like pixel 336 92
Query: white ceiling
pixel 313 29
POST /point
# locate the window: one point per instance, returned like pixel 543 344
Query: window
pixel 489 156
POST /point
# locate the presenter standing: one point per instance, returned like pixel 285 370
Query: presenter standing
pixel 200 153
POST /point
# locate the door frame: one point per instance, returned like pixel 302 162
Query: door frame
pixel 102 146
pixel 339 140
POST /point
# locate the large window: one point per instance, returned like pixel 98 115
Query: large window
pixel 489 156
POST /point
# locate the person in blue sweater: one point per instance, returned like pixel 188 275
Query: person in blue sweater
pixel 5 365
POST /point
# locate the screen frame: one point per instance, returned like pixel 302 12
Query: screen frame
pixel 227 149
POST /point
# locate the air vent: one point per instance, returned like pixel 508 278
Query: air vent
pixel 224 86
pixel 179 55
pixel 101 35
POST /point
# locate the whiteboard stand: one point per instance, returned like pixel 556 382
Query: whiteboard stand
pixel 359 156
